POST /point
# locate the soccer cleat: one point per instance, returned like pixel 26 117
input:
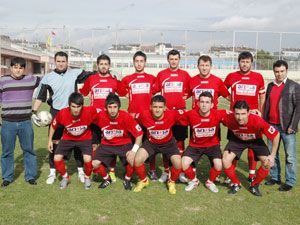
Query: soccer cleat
pixel 5 183
pixel 127 184
pixel 191 185
pixel 81 176
pixel 211 186
pixel 32 182
pixel 164 177
pixel 51 178
pixel 285 187
pixel 87 183
pixel 64 182
pixel 272 182
pixel 227 181
pixel 140 185
pixel 113 176
pixel 171 187
pixel 182 178
pixel 255 190
pixel 105 184
pixel 234 189
pixel 152 175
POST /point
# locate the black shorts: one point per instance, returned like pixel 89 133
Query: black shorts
pixel 180 133
pixel 107 153
pixel 60 129
pixel 237 146
pixel 96 134
pixel 65 147
pixel 213 152
pixel 169 149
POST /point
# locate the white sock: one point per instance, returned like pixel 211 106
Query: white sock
pixel 80 169
pixel 52 171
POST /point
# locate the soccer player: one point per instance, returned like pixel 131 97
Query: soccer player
pixel 76 120
pixel 247 129
pixel 173 84
pixel 205 81
pixel 16 90
pixel 158 121
pixel 249 86
pixel 205 125
pixel 60 83
pixel 99 85
pixel 116 126
pixel 138 88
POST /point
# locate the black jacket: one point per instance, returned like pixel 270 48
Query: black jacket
pixel 289 105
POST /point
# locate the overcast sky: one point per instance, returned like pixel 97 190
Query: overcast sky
pixel 221 15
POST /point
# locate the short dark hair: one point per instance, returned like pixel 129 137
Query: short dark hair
pixel 18 61
pixel 158 98
pixel 112 99
pixel 206 94
pixel 173 52
pixel 103 57
pixel 205 58
pixel 62 54
pixel 280 63
pixel 245 55
pixel 241 104
pixel 140 53
pixel 76 98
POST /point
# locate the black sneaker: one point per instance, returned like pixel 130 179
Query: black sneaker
pixel 127 184
pixel 285 187
pixel 255 190
pixel 32 182
pixel 234 189
pixel 5 183
pixel 272 182
pixel 105 183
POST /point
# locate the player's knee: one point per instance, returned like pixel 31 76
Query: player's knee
pixel 87 158
pixel 218 164
pixel 58 157
pixel 96 164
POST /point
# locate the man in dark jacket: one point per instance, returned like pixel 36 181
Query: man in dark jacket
pixel 282 110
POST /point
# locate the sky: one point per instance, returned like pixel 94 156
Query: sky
pixel 117 21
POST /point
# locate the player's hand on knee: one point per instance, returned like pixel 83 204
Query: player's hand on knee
pixel 130 156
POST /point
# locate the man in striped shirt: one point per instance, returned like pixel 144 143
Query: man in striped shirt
pixel 16 92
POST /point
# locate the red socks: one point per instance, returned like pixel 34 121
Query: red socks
pixel 190 173
pixel 262 173
pixel 102 171
pixel 251 162
pixel 152 163
pixel 166 163
pixel 60 167
pixel 88 168
pixel 141 172
pixel 230 172
pixel 174 174
pixel 213 173
pixel 129 172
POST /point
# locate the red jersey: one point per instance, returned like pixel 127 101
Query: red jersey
pixel 205 130
pixel 212 84
pixel 99 87
pixel 253 130
pixel 139 88
pixel 116 131
pixel 75 129
pixel 173 85
pixel 159 131
pixel 245 87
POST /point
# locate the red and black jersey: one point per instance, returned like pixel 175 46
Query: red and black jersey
pixel 75 128
pixel 116 131
pixel 159 131
pixel 245 87
pixel 138 86
pixel 173 85
pixel 205 130
pixel 212 84
pixel 253 130
pixel 99 87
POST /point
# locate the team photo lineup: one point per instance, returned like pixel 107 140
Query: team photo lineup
pixel 260 117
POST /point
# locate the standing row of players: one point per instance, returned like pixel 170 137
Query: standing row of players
pixel 174 84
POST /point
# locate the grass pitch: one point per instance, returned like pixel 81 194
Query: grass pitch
pixel 21 203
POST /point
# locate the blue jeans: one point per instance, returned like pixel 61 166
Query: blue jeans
pixel 289 144
pixel 9 133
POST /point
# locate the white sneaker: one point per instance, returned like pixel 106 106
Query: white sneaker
pixel 87 183
pixel 51 178
pixel 191 185
pixel 81 176
pixel 182 178
pixel 164 177
pixel 211 186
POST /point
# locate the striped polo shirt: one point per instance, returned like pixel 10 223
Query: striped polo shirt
pixel 16 97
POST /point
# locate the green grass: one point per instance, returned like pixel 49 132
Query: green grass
pixel 21 203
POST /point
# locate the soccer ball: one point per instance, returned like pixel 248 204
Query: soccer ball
pixel 45 118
